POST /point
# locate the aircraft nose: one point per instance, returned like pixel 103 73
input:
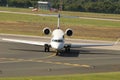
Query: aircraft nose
pixel 58 47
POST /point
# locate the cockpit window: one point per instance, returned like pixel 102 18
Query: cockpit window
pixel 55 40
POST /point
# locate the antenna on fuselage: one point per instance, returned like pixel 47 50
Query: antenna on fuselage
pixel 58 21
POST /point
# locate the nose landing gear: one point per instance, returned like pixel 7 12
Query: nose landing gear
pixel 57 53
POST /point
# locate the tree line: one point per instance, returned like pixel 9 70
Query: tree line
pixel 99 6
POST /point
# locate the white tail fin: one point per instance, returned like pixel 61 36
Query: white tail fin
pixel 58 21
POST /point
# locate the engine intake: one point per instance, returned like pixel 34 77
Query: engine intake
pixel 46 31
pixel 69 32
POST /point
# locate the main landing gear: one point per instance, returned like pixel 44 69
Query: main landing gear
pixel 67 49
pixel 47 48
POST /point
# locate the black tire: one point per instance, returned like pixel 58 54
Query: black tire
pixel 67 49
pixel 47 48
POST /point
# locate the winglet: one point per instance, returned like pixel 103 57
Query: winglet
pixel 116 41
pixel 58 21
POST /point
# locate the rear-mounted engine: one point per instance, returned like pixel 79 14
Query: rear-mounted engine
pixel 69 32
pixel 46 31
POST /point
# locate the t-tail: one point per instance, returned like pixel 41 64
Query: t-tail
pixel 58 21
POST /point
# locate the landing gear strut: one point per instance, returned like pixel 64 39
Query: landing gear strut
pixel 57 53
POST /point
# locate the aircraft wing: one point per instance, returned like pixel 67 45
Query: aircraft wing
pixel 79 45
pixel 87 45
pixel 26 41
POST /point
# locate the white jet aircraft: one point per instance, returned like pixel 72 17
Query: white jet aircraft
pixel 57 41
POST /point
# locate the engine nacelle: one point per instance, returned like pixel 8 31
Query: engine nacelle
pixel 69 32
pixel 46 31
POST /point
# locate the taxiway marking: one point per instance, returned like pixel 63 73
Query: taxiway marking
pixel 49 56
pixel 11 60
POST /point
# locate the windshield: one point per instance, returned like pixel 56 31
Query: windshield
pixel 57 40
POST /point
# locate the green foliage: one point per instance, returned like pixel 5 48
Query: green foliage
pixel 3 2
pixel 20 3
pixel 100 6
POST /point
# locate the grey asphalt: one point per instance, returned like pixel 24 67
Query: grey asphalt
pixel 28 60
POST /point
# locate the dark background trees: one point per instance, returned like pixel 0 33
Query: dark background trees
pixel 99 6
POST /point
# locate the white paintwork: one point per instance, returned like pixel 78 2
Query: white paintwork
pixel 57 41
pixel 25 41
pixel 58 33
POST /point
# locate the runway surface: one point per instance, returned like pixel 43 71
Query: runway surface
pixel 28 60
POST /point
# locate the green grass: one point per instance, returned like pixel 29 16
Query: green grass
pixel 14 9
pixel 83 28
pixel 83 14
pixel 27 10
pixel 8 17
pixel 93 76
